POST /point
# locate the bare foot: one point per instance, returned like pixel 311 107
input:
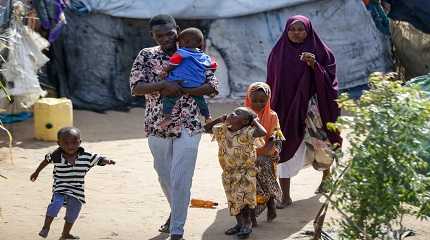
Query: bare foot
pixel 44 232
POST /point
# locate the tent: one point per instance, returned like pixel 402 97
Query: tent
pixel 91 61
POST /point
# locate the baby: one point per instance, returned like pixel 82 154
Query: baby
pixel 188 68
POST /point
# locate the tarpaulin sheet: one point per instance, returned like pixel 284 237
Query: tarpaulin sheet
pixel 185 9
pixel 346 27
pixel 93 58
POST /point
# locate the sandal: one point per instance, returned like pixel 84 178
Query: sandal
pixel 233 230
pixel 165 228
pixel 176 237
pixel 244 233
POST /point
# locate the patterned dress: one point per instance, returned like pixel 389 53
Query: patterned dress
pixel 267 184
pixel 317 144
pixel 146 68
pixel 237 157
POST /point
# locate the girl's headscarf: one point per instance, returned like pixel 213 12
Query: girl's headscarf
pixel 268 118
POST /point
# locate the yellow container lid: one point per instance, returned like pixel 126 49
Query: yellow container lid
pixel 53 101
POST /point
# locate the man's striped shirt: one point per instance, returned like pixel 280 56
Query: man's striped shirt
pixel 70 179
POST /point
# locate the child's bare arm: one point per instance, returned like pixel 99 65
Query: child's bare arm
pixel 41 166
pixel 208 127
pixel 260 131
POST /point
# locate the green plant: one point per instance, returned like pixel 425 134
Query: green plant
pixel 385 177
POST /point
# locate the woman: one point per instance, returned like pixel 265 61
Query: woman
pixel 301 68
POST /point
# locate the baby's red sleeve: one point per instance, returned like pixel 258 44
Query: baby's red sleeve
pixel 175 59
pixel 214 64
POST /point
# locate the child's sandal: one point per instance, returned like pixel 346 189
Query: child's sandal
pixel 233 230
pixel 244 233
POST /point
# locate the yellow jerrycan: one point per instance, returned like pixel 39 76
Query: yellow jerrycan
pixel 50 115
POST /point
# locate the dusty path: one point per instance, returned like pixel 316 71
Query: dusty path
pixel 125 201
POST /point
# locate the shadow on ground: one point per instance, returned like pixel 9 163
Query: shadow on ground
pixel 289 221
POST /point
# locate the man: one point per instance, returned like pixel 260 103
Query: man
pixel 174 148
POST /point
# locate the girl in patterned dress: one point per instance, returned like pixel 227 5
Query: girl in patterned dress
pixel 268 189
pixel 238 136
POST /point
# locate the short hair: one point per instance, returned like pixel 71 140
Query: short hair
pixel 192 36
pixel 162 19
pixel 249 112
pixel 68 131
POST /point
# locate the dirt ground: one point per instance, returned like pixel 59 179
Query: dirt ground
pixel 125 201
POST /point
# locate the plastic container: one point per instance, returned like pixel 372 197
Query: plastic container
pixel 50 115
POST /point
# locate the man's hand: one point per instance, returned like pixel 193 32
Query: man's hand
pixel 170 88
pixel 34 176
pixel 163 74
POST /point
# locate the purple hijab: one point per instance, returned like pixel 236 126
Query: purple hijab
pixel 293 83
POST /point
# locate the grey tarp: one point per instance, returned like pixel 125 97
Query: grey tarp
pixel 185 9
pixel 345 26
pixel 93 58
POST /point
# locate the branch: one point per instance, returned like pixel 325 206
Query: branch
pixel 329 199
pixel 10 141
